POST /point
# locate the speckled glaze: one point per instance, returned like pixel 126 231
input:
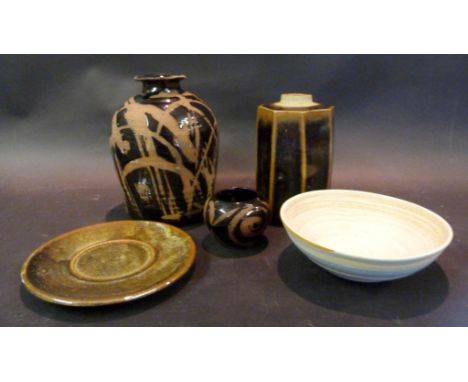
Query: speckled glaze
pixel 363 236
pixel 165 148
pixel 237 216
pixel 108 263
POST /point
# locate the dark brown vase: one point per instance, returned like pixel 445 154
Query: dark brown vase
pixel 294 148
pixel 165 148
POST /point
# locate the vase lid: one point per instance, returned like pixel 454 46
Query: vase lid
pixel 296 100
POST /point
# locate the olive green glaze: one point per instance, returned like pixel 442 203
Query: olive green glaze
pixel 108 263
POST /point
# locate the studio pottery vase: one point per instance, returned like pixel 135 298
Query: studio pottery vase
pixel 164 144
pixel 294 148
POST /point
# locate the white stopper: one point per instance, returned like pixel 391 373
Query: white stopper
pixel 296 100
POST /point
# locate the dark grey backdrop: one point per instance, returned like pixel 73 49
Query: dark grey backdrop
pixel 400 129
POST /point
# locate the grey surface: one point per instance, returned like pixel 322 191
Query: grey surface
pixel 400 130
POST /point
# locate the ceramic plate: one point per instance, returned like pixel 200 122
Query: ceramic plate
pixel 364 236
pixel 108 263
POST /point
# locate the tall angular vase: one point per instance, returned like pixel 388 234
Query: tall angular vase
pixel 294 148
pixel 164 144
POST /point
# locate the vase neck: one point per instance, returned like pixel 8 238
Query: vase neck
pixel 160 83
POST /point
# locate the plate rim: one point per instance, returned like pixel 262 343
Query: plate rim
pixel 162 284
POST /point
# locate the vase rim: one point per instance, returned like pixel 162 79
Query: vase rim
pixel 159 77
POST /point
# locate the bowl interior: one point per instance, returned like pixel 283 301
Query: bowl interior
pixel 365 224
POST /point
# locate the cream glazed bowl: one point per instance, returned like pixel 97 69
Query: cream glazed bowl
pixel 363 236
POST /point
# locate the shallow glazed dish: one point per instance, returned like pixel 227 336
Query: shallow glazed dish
pixel 363 236
pixel 108 263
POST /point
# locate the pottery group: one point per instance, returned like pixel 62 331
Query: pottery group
pixel 164 143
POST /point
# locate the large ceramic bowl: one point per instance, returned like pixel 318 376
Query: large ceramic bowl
pixel 363 236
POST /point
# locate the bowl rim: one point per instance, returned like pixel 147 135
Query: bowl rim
pixel 438 249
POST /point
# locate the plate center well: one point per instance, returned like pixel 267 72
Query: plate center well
pixel 111 260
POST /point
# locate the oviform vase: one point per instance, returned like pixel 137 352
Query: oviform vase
pixel 164 144
pixel 294 148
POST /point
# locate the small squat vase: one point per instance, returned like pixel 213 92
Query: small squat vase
pixel 237 216
pixel 164 144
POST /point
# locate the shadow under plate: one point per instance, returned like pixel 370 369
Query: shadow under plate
pixel 106 313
